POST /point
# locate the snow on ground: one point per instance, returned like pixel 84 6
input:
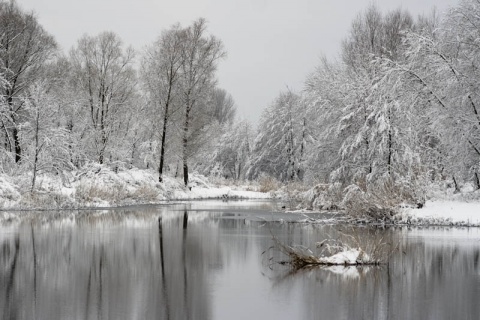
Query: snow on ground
pixel 100 186
pixel 217 193
pixel 446 207
pixel 444 212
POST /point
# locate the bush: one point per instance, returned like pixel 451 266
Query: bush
pixel 146 193
pixel 324 197
pixel 86 192
pixel 45 200
pixel 268 183
pixel 381 199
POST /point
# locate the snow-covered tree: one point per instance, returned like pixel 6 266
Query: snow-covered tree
pixel 47 140
pixel 373 113
pixel 223 106
pixel 441 68
pixel 105 80
pixel 25 47
pixel 369 134
pixel 231 152
pixel 200 55
pixel 161 75
pixel 279 146
pixel 325 97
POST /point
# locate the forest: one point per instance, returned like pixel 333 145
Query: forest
pixel 396 113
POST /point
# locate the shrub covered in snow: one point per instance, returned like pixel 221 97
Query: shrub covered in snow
pixel 323 197
pixel 8 191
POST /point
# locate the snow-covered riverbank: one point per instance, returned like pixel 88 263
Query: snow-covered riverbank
pixel 445 206
pixel 100 186
pixel 443 212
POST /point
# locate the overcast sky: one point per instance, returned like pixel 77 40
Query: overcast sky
pixel 272 44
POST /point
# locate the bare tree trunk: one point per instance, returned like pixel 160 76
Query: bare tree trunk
pixel 162 148
pixel 390 155
pixel 239 171
pixel 34 178
pixel 457 188
pixel 37 150
pixel 8 144
pixel 100 157
pixel 302 151
pixel 16 142
pixel 185 142
pixel 103 144
pixel 367 143
pixel 185 171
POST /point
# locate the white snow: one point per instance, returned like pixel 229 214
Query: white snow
pixel 8 193
pixel 99 186
pixel 444 212
pixel 346 257
pixel 217 193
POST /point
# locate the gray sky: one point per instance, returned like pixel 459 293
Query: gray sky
pixel 272 44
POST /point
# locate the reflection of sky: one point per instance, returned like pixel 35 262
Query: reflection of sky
pixel 242 292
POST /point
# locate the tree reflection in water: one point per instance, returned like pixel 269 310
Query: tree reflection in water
pixel 106 268
pixel 186 262
pixel 426 279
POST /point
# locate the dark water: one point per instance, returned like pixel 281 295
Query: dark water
pixel 203 260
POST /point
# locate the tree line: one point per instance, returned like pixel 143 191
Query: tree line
pixel 61 111
pixel 397 110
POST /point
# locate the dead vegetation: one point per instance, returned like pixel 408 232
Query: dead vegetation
pixel 268 183
pixel 376 202
pixel 353 247
pixel 115 193
pixel 382 199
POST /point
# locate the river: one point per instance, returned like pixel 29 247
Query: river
pixel 214 260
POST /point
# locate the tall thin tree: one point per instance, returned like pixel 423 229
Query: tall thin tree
pixel 161 71
pixel 201 54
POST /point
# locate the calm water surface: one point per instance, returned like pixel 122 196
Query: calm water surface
pixel 203 260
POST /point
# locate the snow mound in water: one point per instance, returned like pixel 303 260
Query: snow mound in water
pixel 346 257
